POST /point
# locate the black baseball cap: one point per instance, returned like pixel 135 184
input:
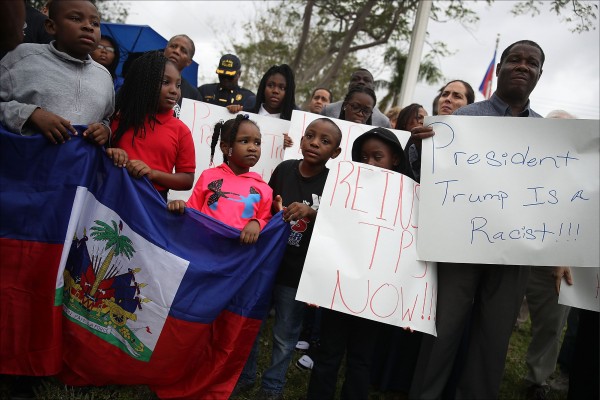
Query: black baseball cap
pixel 383 134
pixel 229 65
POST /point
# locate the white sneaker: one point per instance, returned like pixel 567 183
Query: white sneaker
pixel 305 363
pixel 302 345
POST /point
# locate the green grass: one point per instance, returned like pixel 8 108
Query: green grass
pixel 297 380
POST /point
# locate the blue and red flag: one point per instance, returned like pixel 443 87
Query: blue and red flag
pixel 100 284
pixel 486 84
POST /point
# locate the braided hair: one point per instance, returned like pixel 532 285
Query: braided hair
pixel 138 98
pixel 358 89
pixel 289 99
pixel 227 131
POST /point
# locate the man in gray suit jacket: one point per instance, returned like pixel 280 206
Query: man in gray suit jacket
pixel 360 77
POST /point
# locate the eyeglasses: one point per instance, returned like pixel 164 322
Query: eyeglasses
pixel 356 108
pixel 107 48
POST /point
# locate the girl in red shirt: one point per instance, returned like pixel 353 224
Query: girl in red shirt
pixel 144 126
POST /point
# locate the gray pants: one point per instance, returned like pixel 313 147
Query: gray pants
pixel 548 319
pixel 494 293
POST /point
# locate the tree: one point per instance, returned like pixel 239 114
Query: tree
pixel 323 40
pixel 397 58
pixel 580 13
pixel 110 10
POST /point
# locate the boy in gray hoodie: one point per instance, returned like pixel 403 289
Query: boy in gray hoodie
pixel 48 88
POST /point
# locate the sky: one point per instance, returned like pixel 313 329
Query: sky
pixel 570 78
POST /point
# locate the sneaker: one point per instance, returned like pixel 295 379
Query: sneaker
pixel 305 363
pixel 302 346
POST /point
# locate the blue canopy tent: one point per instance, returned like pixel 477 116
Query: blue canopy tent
pixel 140 38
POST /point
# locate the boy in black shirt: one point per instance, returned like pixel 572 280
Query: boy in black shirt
pixel 299 183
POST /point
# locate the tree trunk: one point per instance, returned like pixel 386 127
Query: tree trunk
pixel 304 37
pixel 348 39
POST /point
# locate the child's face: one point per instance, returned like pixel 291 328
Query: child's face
pixel 246 148
pixel 376 152
pixel 170 89
pixel 76 28
pixel 274 93
pixel 359 108
pixel 104 56
pixel 320 143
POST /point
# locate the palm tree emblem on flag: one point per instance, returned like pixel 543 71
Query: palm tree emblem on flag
pixel 103 294
pixel 117 243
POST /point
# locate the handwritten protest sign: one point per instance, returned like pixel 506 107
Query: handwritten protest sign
pixel 362 254
pixel 350 131
pixel 585 291
pixel 510 191
pixel 201 119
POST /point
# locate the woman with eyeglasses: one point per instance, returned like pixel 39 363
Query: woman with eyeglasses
pixel 358 105
pixel 107 54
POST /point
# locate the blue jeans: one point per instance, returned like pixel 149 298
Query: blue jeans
pixel 286 331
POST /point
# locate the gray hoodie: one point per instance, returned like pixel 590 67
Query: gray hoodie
pixel 37 75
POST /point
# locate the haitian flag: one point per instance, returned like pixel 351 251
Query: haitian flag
pixel 101 284
pixel 486 84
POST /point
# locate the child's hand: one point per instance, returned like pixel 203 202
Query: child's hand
pixel 176 206
pixel 56 129
pixel 250 232
pixel 276 205
pixel 297 211
pixel 234 108
pixel 287 141
pixel 138 168
pixel 97 133
pixel 118 156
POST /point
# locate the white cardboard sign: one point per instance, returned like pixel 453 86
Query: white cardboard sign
pixel 362 256
pixel 350 131
pixel 518 191
pixel 585 291
pixel 201 119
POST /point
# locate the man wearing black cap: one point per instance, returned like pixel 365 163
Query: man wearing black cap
pixel 227 92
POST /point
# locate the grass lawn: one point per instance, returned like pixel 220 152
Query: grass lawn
pixel 297 380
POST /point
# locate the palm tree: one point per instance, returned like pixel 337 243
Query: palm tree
pixel 117 243
pixel 428 72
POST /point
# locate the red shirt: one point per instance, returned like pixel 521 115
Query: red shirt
pixel 169 145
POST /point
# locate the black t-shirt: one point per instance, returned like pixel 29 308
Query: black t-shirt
pixel 287 182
